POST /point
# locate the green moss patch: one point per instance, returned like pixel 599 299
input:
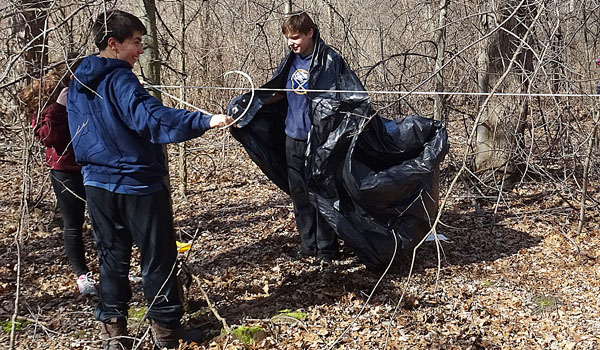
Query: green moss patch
pixel 19 325
pixel 249 335
pixel 136 314
pixel 288 316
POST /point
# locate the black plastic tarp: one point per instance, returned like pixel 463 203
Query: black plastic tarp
pixel 369 177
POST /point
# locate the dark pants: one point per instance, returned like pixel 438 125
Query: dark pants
pixel 120 220
pixel 70 194
pixel 317 237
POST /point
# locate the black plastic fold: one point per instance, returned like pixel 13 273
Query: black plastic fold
pixel 374 180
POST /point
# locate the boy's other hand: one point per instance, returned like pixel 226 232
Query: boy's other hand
pixel 220 120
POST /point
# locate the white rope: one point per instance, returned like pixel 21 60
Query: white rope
pixel 157 88
pixel 385 92
pixel 249 102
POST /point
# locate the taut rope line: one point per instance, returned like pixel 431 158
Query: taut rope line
pixel 384 92
pixel 158 88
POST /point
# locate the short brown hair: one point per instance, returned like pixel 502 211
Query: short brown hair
pixel 298 23
pixel 117 24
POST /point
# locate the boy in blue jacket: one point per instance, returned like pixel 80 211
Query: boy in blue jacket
pixel 117 130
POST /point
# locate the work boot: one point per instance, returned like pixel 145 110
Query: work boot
pixel 323 262
pixel 114 335
pixel 298 254
pixel 165 337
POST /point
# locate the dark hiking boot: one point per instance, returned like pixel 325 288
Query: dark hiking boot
pixel 323 262
pixel 298 254
pixel 164 337
pixel 114 335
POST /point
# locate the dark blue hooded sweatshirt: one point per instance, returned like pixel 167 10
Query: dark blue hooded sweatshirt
pixel 117 128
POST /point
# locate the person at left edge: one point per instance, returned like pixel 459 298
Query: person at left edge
pixel 51 129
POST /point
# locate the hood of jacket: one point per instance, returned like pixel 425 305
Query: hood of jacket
pixel 93 69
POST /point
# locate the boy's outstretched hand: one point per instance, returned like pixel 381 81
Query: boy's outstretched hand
pixel 220 120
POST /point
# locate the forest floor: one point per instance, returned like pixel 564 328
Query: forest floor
pixel 513 278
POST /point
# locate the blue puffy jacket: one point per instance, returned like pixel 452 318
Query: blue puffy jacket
pixel 117 127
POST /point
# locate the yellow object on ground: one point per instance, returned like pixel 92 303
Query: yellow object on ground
pixel 182 247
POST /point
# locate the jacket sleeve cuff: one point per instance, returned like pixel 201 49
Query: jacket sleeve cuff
pixel 205 121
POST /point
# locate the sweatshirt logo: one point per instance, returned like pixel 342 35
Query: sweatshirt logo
pixel 299 81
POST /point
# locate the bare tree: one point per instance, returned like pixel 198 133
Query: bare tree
pixel 183 96
pixel 592 140
pixel 440 41
pixel 503 122
pixel 289 4
pixel 30 23
pixel 150 62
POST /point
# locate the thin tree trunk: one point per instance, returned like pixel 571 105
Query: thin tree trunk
pixel 440 40
pixel 288 11
pixel 29 24
pixel 149 61
pixel 502 123
pixel 483 81
pixel 592 140
pixel 31 21
pixel 556 64
pixel 332 31
pixel 182 96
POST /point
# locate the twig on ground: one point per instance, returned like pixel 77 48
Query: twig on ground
pixel 210 304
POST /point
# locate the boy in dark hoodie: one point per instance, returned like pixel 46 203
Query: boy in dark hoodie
pixel 117 130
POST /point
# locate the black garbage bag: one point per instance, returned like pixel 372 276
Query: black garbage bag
pixel 374 180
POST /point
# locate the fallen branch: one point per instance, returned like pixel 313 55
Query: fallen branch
pixel 25 318
pixel 210 305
